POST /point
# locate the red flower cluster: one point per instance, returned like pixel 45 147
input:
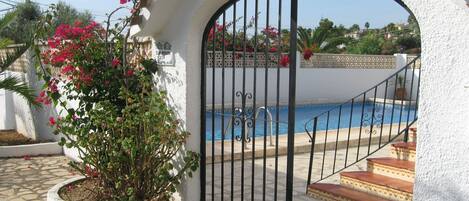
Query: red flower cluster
pixel 66 50
pixel 52 121
pixel 307 53
pixel 270 32
pixel 285 60
pixel 219 29
pixel 63 45
pixel 42 98
pixel 116 62
pixel 273 49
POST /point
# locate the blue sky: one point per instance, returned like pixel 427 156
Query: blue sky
pixel 378 12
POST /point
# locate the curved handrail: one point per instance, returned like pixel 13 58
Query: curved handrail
pixel 371 121
pixel 269 119
pixel 357 96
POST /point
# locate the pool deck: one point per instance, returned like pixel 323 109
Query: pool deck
pixel 302 144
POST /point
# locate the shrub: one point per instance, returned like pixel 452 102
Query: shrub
pixel 128 137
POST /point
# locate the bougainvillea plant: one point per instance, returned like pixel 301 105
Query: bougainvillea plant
pixel 103 87
pixel 269 41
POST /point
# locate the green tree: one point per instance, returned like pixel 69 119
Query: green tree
pixel 13 84
pixel 413 25
pixel 369 44
pixel 20 28
pixel 354 27
pixel 408 42
pixel 324 38
pixel 367 25
pixel 319 40
pixel 66 14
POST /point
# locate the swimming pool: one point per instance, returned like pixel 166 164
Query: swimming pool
pixel 305 113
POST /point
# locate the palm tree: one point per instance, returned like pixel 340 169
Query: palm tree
pixel 11 83
pixel 318 40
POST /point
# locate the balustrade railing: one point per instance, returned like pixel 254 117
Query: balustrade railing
pixel 319 60
pixel 364 124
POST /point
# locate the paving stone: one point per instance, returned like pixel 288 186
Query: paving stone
pixel 31 179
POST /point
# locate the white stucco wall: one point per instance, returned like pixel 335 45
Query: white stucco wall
pixel 442 159
pixel 314 85
pixel 17 114
pixel 442 171
pixel 184 30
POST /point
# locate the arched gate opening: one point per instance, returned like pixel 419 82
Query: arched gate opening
pixel 249 132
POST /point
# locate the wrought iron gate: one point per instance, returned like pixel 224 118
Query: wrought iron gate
pixel 248 101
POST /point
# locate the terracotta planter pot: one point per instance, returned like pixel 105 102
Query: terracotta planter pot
pixel 400 94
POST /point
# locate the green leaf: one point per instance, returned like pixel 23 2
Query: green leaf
pixel 15 85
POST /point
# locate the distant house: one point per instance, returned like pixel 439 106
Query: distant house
pixel 355 34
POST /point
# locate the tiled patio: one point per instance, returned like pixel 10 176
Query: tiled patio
pixel 31 178
pixel 300 174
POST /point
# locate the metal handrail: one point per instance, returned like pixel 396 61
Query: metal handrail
pixel 269 119
pixel 370 122
pixel 382 82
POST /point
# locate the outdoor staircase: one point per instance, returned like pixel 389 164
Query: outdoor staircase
pixel 388 178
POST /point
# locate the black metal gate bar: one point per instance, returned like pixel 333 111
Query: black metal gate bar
pixel 222 169
pixel 292 98
pixel 243 99
pixel 243 114
pixel 266 79
pixel 277 105
pixel 203 100
pixel 233 103
pixel 256 25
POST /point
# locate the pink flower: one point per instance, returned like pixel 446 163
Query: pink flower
pixel 38 100
pixel 42 94
pixel 124 1
pixel 285 61
pixel 47 101
pixel 273 49
pixel 53 43
pixel 116 62
pixel 53 86
pixel 129 73
pixel 67 69
pixel 52 121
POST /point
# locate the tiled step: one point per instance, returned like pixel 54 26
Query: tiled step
pixel 403 150
pixel 378 185
pixel 391 167
pixel 333 192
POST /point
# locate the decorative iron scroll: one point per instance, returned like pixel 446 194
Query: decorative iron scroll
pixel 372 123
pixel 245 116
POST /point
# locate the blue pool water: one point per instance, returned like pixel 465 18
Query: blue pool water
pixel 304 113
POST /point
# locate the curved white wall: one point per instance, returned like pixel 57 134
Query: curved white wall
pixel 442 171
